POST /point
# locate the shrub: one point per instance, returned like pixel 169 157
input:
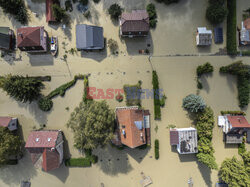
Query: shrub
pixel 231 28
pixel 119 98
pixel 199 84
pixel 78 162
pixel 45 104
pixel 242 147
pixel 194 103
pixel 167 2
pixel 87 14
pixel 205 68
pixel 113 45
pixel 156 149
pixel 152 15
pixel 157 102
pixel 233 113
pixel 163 100
pixel 216 13
pixel 115 11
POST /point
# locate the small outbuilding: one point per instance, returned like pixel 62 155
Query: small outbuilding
pixel 203 36
pixel 89 37
pixel 6 38
pixel 9 122
pixel 245 32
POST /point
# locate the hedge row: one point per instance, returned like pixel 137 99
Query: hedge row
pixel 231 27
pixel 242 72
pixel 205 125
pixel 157 149
pixel 63 88
pixel 157 102
pixel 152 15
pixel 233 113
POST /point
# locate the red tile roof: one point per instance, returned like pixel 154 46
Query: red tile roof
pixel 238 121
pixel 42 139
pixel 28 36
pixel 137 21
pixel 49 11
pixel 247 23
pixel 126 118
pixel 51 160
pixel 4 121
pixel 174 137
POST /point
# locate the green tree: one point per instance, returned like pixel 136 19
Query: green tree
pixel 59 13
pixel 16 8
pixel 152 15
pixel 233 172
pixel 10 145
pixel 93 124
pixel 115 11
pixel 246 159
pixel 216 13
pixel 194 103
pixel 24 89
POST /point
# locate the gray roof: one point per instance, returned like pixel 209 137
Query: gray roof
pixel 248 136
pixel 5 38
pixel 234 138
pixel 89 37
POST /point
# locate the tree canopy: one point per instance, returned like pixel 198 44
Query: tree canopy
pixel 93 124
pixel 115 11
pixel 9 145
pixel 234 173
pixel 194 103
pixel 21 88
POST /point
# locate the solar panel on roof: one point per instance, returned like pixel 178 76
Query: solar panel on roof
pixel 218 35
pixel 138 124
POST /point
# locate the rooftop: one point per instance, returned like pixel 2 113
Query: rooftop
pixel 238 121
pixel 4 121
pixel 28 36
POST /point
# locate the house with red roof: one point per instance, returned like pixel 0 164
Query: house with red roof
pixel 234 127
pixel 32 39
pixel 9 122
pixel 185 139
pixel 46 149
pixel 134 24
pixel 133 127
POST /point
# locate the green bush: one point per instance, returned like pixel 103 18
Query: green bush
pixel 84 2
pixel 156 149
pixel 231 28
pixel 167 2
pixel 45 104
pixel 199 84
pixel 242 147
pixel 194 103
pixel 157 102
pixel 216 13
pixel 243 84
pixel 96 1
pixel 68 5
pixel 233 113
pixel 152 15
pixel 78 162
pixel 115 11
pixel 205 68
pixel 59 13
pixel 163 100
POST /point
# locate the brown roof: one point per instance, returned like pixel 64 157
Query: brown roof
pixel 4 121
pixel 137 21
pixel 133 137
pixel 247 23
pixel 51 160
pixel 238 121
pixel 42 139
pixel 28 36
pixel 174 137
pixel 49 11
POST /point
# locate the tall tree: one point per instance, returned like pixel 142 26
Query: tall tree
pixel 93 124
pixel 234 173
pixel 9 145
pixel 21 88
